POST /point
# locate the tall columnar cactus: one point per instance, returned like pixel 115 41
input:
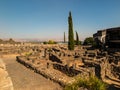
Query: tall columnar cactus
pixel 70 33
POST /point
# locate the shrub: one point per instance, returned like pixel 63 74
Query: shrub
pixel 28 53
pixel 88 41
pixel 73 86
pixel 50 42
pixel 92 83
pixel 78 43
pixel 45 42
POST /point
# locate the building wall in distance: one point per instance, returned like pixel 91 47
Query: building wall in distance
pixel 109 37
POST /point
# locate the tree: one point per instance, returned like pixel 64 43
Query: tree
pixel 77 39
pixel 11 41
pixel 70 33
pixel 89 41
pixel 45 42
pixel 64 38
pixel 1 40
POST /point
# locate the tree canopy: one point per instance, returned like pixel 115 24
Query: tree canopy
pixel 89 41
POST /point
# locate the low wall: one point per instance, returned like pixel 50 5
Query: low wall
pixel 54 58
pixel 97 66
pixel 67 70
pixel 51 74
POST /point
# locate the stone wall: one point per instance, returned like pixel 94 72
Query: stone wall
pixel 49 73
pixel 109 37
pixel 54 58
pixel 67 70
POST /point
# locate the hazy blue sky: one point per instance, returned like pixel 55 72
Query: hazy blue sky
pixel 48 19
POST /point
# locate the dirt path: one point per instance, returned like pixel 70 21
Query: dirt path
pixel 25 79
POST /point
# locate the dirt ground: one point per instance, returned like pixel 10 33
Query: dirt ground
pixel 25 79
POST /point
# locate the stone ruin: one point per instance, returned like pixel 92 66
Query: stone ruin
pixel 56 59
pixel 59 64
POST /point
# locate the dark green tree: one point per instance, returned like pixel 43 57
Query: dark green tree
pixel 89 41
pixel 64 38
pixel 77 39
pixel 70 33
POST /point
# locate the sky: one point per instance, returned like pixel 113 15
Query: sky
pixel 48 19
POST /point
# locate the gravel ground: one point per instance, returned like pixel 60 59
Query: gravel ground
pixel 25 79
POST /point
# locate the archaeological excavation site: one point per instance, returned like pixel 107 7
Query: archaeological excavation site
pixel 42 49
pixel 62 66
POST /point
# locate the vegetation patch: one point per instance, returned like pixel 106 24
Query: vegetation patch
pixel 91 83
pixel 50 42
pixel 28 53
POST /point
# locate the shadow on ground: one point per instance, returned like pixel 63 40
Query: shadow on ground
pixel 113 87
